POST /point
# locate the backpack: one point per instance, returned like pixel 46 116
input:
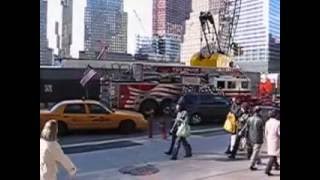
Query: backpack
pixel 230 124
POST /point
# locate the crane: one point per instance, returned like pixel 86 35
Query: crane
pixel 220 49
pixel 103 51
pixel 140 21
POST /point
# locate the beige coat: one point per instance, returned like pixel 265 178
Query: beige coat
pixel 50 155
pixel 272 134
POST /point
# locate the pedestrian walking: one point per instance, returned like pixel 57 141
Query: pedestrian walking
pixel 148 115
pixel 162 126
pixel 51 153
pixel 183 131
pixel 173 124
pixel 241 130
pixel 173 133
pixel 233 116
pixel 255 127
pixel 272 134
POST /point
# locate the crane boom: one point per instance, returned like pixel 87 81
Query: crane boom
pixel 140 21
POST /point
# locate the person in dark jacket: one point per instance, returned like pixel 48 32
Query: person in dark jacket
pixel 255 128
pixel 236 107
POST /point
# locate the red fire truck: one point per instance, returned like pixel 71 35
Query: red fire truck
pixel 158 87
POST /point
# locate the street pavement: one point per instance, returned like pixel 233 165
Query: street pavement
pixel 89 136
pixel 208 160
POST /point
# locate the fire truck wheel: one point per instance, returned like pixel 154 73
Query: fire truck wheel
pixel 62 128
pixel 127 126
pixel 149 105
pixel 195 119
pixel 167 107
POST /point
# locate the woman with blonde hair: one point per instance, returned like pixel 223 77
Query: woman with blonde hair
pixel 51 153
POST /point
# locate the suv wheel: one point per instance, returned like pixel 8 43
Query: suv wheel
pixel 195 119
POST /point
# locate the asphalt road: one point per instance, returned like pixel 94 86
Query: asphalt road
pixel 92 136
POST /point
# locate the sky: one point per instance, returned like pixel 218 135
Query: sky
pixel 142 7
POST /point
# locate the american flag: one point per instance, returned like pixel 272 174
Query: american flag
pixel 87 75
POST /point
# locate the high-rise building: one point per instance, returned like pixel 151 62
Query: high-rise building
pixel 258 33
pixel 105 25
pixel 158 48
pixel 66 40
pixel 169 17
pixel 46 55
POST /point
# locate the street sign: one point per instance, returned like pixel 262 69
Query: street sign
pixel 188 80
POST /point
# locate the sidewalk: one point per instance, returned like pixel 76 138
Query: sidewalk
pixel 199 167
pixel 206 164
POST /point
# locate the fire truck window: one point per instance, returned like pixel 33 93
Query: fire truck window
pixel 231 85
pixel 75 109
pixel 244 84
pixel 220 85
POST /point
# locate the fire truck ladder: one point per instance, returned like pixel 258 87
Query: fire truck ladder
pixel 103 51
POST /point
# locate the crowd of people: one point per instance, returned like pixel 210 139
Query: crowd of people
pixel 247 128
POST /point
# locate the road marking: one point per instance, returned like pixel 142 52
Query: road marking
pixel 134 139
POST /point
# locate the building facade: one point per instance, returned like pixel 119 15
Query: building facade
pixel 169 18
pixel 258 33
pixel 158 48
pixel 66 40
pixel 46 56
pixel 105 25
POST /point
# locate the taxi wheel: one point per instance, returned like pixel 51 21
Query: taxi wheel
pixel 127 126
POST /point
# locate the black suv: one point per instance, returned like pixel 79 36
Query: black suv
pixel 206 107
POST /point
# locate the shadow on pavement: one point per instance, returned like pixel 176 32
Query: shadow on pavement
pixel 216 157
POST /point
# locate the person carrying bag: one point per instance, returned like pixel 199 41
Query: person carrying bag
pixel 230 125
pixel 183 131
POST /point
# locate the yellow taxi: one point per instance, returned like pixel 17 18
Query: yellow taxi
pixel 90 114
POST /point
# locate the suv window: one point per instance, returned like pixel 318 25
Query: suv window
pixel 97 109
pixel 220 100
pixel 188 99
pixel 75 109
pixel 206 99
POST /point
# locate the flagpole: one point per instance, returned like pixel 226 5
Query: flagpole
pixel 87 93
